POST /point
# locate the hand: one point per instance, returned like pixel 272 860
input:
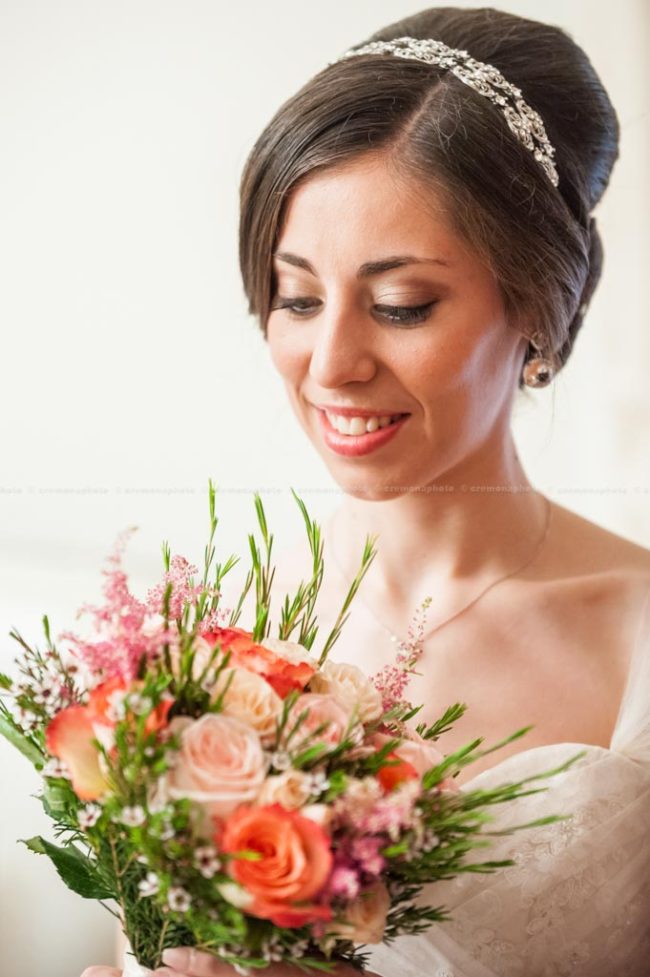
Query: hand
pixel 187 962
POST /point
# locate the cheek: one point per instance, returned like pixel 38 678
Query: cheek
pixel 461 360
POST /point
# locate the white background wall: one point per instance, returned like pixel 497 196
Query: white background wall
pixel 131 372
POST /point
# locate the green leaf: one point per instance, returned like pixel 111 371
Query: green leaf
pixel 18 739
pixel 76 870
pixel 5 681
pixel 55 799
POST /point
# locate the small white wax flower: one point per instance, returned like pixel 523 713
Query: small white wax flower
pixel 55 768
pixel 149 886
pixel 90 815
pixel 319 781
pixel 206 861
pixel 430 840
pixel 115 710
pixel 132 816
pixel 281 760
pixel 272 953
pixel 239 968
pixel 139 704
pixel 47 691
pixel 166 831
pixel 179 899
pixel 158 805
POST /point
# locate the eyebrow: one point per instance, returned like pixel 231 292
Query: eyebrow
pixel 369 268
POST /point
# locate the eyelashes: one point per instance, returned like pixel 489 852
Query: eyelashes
pixel 399 315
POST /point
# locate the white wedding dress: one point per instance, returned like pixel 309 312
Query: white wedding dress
pixel 577 901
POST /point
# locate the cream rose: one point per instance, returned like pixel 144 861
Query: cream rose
pixel 289 651
pixel 365 916
pixel 251 699
pixel 350 687
pixel 220 763
pixel 291 789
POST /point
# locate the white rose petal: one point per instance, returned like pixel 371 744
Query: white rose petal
pixel 290 651
pixel 236 895
pixel 350 687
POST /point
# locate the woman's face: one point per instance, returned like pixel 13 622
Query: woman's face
pixel 343 338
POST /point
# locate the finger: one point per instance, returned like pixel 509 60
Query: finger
pixel 195 963
pixel 101 972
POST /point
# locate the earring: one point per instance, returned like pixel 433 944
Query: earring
pixel 538 371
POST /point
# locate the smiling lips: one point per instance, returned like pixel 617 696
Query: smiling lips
pixel 357 432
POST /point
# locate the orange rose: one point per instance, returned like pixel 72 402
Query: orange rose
pixel 70 734
pixel 396 773
pixel 295 863
pixel 284 672
pixel 416 756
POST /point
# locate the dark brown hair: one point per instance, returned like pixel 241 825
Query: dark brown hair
pixel 540 241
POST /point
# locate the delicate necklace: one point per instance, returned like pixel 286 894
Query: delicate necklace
pixel 423 635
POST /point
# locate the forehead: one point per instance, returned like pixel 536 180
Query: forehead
pixel 362 209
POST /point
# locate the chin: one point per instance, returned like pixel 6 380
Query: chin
pixel 369 488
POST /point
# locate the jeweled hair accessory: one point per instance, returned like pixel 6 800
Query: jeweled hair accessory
pixel 485 79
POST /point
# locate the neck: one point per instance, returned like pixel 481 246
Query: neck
pixel 445 540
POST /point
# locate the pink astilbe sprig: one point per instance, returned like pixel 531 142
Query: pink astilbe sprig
pixel 392 680
pixel 127 629
pixel 184 591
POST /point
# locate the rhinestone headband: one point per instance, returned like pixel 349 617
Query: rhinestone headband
pixel 485 79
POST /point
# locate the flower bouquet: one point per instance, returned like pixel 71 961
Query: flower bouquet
pixel 222 788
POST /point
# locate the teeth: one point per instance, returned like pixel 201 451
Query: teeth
pixel 358 425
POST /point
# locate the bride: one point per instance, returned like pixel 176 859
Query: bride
pixel 415 258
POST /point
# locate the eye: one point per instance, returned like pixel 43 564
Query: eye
pixel 403 315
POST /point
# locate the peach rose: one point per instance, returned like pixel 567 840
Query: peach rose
pixel 322 709
pixel 291 789
pixel 70 734
pixel 220 763
pixel 251 699
pixel 365 916
pixel 295 863
pixel 350 687
pixel 284 664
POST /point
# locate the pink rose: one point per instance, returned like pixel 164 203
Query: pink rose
pixel 220 763
pixel 323 709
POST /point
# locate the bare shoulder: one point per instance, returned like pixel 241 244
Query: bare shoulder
pixel 598 582
pixel 581 548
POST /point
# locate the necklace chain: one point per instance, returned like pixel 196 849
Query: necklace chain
pixel 475 600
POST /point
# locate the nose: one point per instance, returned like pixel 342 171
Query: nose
pixel 343 348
